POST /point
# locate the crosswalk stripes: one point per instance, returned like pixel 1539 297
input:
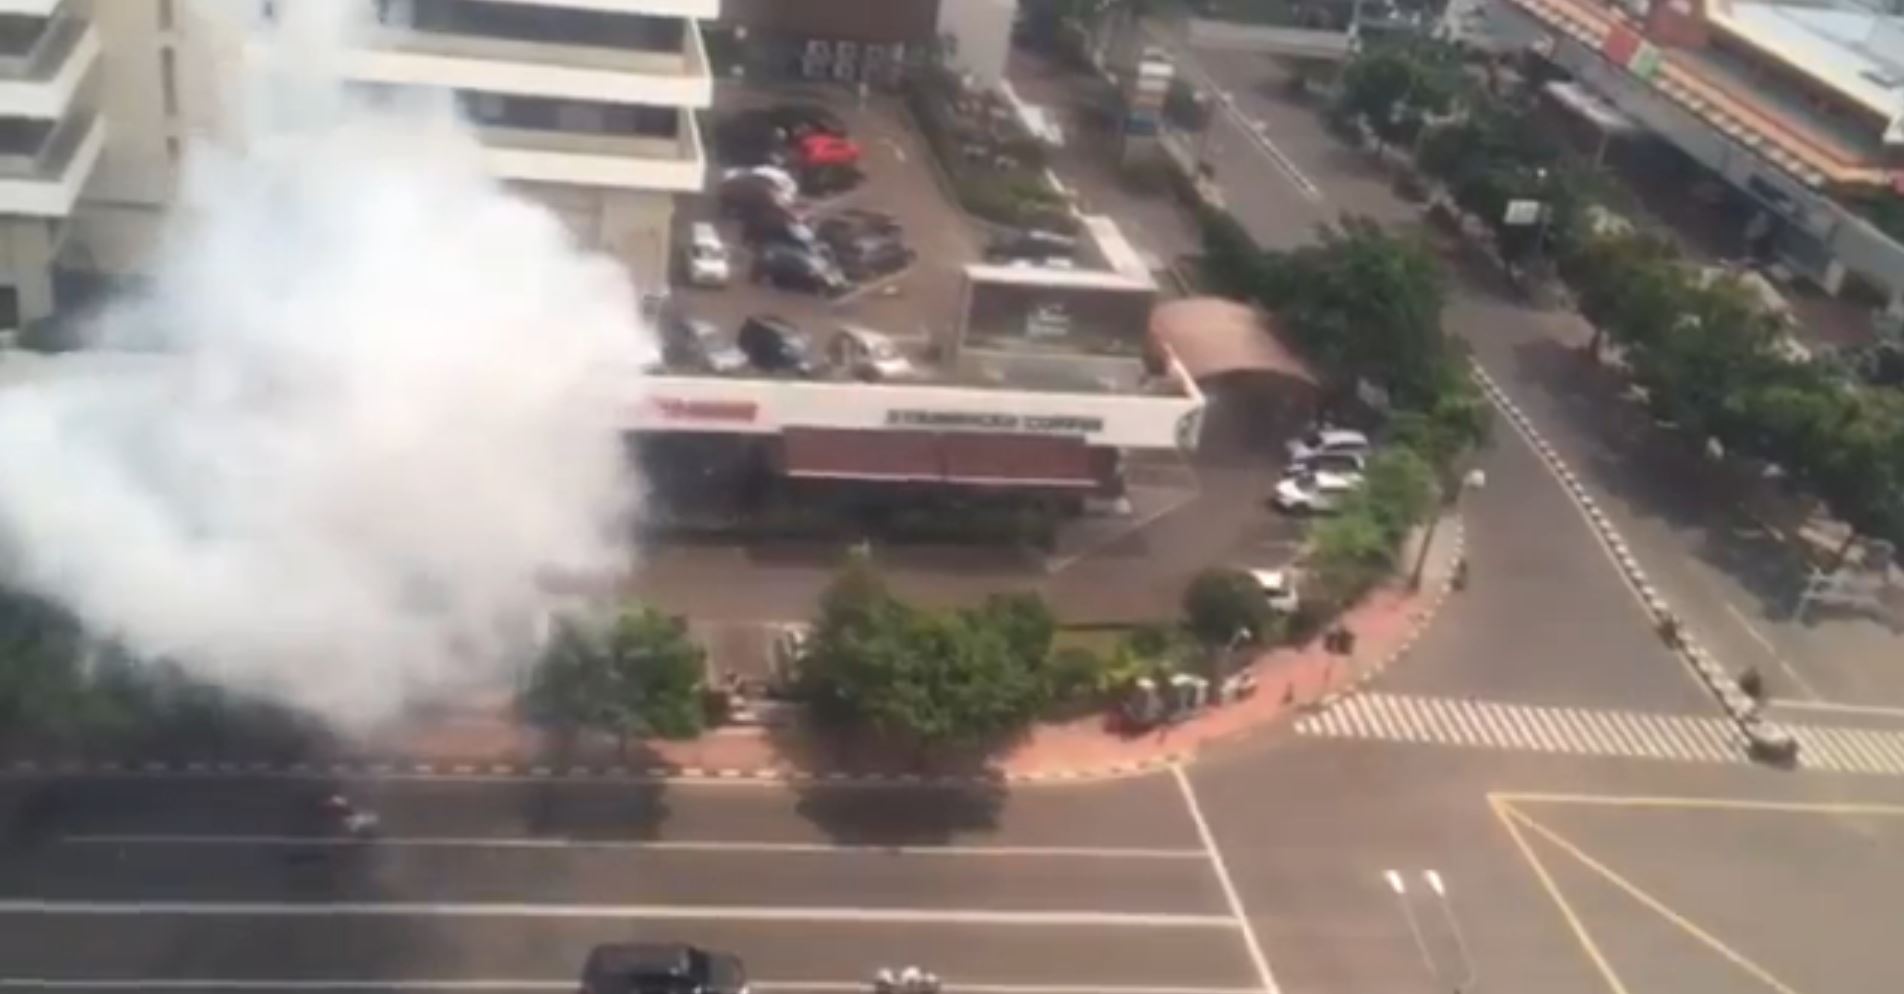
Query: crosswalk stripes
pixel 1580 731
pixel 1593 731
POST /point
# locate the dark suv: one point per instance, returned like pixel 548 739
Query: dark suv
pixel 661 968
pixel 774 345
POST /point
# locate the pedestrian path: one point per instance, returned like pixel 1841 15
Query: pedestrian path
pixel 1530 727
pixel 1593 732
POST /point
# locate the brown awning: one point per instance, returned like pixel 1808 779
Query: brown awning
pixel 1017 460
pixel 969 458
pixel 1212 336
pixel 845 454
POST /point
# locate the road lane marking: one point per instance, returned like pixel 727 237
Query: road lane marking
pixel 1871 709
pixel 566 983
pixel 1467 723
pixel 1506 814
pixel 1652 903
pixel 1771 650
pixel 637 845
pixel 624 912
pixel 562 984
pixel 1238 916
pixel 1520 798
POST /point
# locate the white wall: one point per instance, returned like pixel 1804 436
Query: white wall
pixel 981 29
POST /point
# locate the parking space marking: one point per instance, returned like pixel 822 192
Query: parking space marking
pixel 636 845
pixel 568 983
pixel 1239 916
pixel 611 912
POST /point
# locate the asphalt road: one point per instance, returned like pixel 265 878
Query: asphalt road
pixel 174 881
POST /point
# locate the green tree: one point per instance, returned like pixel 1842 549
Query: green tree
pixel 634 674
pixel 1398 492
pixel 933 679
pixel 1348 553
pixel 1219 603
pixel 1393 88
pixel 1364 303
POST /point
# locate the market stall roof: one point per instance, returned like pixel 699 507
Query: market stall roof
pixel 1212 336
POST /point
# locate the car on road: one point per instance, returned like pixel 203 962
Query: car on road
pixel 775 345
pixel 661 968
pixel 691 343
pixel 1314 492
pixel 1328 440
pixel 793 267
pixel 854 222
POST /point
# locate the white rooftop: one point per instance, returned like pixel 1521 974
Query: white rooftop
pixel 1852 49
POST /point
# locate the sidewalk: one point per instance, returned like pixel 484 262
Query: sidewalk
pixel 486 739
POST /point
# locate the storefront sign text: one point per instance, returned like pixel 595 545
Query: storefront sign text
pixel 1043 424
pixel 680 409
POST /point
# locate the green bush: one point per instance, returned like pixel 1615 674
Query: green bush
pixel 1219 603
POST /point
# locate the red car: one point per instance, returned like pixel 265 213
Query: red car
pixel 817 150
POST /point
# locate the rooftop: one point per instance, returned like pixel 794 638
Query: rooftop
pixel 1853 49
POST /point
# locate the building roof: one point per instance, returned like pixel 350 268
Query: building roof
pixel 1212 336
pixel 1841 46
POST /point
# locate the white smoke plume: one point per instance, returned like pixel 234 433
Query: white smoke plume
pixel 373 428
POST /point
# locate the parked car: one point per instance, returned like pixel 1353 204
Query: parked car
pixel 708 264
pixel 844 226
pixel 1279 589
pixel 781 182
pixel 799 119
pixel 773 344
pixel 691 343
pixel 868 354
pixel 818 150
pixel 661 968
pixel 872 256
pixel 828 180
pixel 1031 244
pixel 748 194
pixel 780 228
pixel 791 267
pixel 1347 463
pixel 1327 439
pixel 1313 493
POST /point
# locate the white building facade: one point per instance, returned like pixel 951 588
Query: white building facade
pixel 587 106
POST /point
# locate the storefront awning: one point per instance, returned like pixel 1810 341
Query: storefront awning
pixel 961 458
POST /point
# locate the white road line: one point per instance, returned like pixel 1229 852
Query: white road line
pixel 1237 912
pixel 635 845
pixel 1770 649
pixel 1872 709
pixel 566 983
pixel 611 912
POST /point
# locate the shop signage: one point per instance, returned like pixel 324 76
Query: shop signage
pixel 1037 424
pixel 683 409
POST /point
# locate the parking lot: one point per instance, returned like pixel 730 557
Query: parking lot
pixel 918 304
pixel 506 886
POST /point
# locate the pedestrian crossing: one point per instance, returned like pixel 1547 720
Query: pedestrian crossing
pixel 1593 732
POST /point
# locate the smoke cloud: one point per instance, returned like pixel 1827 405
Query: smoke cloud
pixel 378 418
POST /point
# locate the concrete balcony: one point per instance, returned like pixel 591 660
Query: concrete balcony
pixel 460 52
pixel 634 162
pixel 30 8
pixel 42 68
pixel 43 166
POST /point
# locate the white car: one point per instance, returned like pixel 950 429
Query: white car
pixel 708 263
pixel 1315 492
pixel 1344 463
pixel 1279 589
pixel 1328 441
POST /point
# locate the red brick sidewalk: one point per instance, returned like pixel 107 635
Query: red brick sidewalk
pixel 1086 748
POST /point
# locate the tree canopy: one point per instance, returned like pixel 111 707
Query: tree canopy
pixel 1219 603
pixel 634 673
pixel 935 679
